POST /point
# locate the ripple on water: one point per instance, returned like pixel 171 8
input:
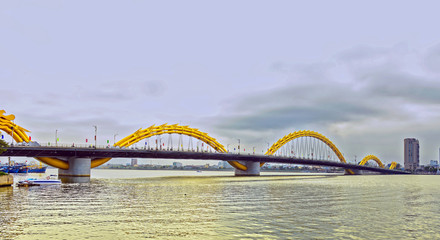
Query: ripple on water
pixel 267 207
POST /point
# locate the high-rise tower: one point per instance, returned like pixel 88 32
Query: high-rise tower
pixel 411 157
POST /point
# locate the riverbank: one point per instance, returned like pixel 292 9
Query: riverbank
pixel 6 180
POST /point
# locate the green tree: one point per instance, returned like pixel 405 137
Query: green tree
pixel 3 144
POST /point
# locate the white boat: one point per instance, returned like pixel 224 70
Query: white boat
pixel 38 182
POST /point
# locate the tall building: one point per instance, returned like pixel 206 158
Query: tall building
pixel 134 162
pixel 411 157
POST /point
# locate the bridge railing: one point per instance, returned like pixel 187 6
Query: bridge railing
pixel 109 146
pixel 135 147
pixel 150 148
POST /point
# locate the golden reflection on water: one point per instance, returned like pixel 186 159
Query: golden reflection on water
pixel 224 207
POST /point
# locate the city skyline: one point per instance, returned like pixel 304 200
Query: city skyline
pixel 366 83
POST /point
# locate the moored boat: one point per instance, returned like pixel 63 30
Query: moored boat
pixel 37 182
pixel 37 169
pixel 22 168
pixel 9 169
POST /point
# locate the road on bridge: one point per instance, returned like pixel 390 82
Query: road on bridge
pixel 25 151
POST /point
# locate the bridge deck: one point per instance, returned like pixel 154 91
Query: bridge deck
pixel 136 153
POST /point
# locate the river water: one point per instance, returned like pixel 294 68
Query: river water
pixel 131 204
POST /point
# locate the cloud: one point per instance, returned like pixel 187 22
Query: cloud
pixel 298 106
pixel 129 89
pixel 377 94
pixel 431 60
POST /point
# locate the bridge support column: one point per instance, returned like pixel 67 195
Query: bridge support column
pixel 78 172
pixel 253 169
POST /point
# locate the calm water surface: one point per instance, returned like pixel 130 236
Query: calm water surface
pixel 130 204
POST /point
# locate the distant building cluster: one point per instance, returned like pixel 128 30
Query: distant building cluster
pixel 177 164
pixel 224 165
pixel 412 159
pixel 433 163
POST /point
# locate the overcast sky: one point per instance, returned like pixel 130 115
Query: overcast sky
pixel 364 74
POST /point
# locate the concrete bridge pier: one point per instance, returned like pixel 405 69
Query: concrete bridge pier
pixel 253 169
pixel 78 172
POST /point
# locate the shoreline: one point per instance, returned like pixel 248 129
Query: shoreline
pixel 6 180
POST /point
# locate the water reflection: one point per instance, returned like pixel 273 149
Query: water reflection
pixel 7 219
pixel 268 207
pixel 65 179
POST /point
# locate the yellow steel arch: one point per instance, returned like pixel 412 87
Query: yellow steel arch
pixel 19 135
pixel 169 129
pixel 393 165
pixel 306 133
pixel 371 157
pixel 17 132
pixel 54 162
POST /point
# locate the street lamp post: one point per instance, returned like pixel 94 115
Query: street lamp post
pixel 56 138
pixel 114 138
pixel 227 148
pixel 238 146
pixel 96 132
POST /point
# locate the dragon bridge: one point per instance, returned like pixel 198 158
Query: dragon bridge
pixel 19 135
